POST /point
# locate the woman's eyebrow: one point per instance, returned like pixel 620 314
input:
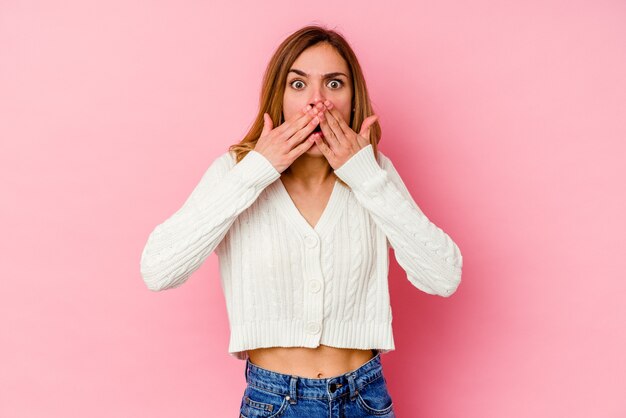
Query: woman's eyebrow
pixel 329 75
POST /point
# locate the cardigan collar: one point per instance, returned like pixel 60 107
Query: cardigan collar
pixel 283 202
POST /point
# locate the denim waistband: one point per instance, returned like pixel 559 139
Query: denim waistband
pixel 294 387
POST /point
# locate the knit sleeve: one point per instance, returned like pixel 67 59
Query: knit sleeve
pixel 178 246
pixel 430 258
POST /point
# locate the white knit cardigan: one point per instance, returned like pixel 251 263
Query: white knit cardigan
pixel 287 283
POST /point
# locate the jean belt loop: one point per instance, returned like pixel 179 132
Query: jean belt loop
pixel 293 393
pixel 351 381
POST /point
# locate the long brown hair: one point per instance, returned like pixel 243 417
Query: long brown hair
pixel 275 79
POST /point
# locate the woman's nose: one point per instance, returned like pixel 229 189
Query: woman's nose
pixel 313 103
pixel 317 96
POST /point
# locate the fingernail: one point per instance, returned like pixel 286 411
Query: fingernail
pixel 306 109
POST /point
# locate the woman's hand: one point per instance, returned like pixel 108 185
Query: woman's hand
pixel 341 141
pixel 283 144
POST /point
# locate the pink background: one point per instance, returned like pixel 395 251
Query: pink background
pixel 505 119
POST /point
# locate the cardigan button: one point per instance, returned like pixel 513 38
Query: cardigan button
pixel 313 327
pixel 310 241
pixel 315 286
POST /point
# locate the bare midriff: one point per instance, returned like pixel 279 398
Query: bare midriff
pixel 315 363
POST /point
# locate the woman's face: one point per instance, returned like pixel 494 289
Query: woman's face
pixel 317 75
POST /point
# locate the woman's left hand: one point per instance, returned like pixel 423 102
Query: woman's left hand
pixel 341 141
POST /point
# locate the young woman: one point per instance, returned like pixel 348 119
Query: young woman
pixel 302 213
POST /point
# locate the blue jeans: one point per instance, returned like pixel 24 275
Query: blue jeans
pixel 359 393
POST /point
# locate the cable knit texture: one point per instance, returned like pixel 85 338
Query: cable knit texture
pixel 287 283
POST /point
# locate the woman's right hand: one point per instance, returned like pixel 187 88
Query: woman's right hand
pixel 283 144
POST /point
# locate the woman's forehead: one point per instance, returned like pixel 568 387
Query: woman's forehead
pixel 319 60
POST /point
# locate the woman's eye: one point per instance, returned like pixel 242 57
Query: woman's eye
pixel 335 84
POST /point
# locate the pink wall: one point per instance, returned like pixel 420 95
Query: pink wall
pixel 506 120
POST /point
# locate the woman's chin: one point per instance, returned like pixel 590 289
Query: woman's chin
pixel 314 150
